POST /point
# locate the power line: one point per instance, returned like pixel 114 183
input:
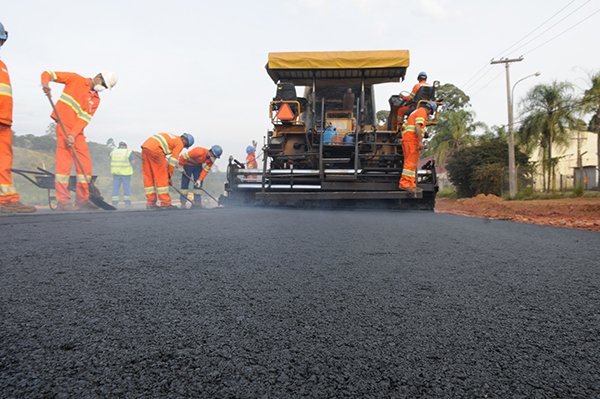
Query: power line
pixel 552 26
pixel 486 65
pixel 479 78
pixel 488 83
pixel 538 27
pixel 564 31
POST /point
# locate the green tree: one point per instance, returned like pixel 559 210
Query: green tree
pixel 591 103
pixel 549 114
pixel 382 117
pixel 453 132
pixel 454 99
pixel 456 123
pixel 482 167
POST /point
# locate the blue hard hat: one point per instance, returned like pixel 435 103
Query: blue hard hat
pixel 432 105
pixel 422 75
pixel 3 33
pixel 217 150
pixel 249 149
pixel 189 138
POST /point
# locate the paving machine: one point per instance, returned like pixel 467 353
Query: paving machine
pixel 326 147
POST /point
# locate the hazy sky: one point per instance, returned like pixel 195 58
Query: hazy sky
pixel 198 66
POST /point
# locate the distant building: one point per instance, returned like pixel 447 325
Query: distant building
pixel 567 172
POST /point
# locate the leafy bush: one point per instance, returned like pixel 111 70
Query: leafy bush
pixel 480 168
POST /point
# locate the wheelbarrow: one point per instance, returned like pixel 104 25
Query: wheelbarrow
pixel 44 179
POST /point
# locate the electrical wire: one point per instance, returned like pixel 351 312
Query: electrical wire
pixel 552 26
pixel 471 82
pixel 538 27
pixel 488 83
pixel 563 32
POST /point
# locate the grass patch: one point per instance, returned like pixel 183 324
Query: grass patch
pixel 447 192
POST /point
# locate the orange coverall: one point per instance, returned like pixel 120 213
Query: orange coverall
pixel 251 164
pixel 8 193
pixel 156 169
pixel 76 106
pixel 410 147
pixel 197 156
pixel 402 110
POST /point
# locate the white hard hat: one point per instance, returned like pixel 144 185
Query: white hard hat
pixel 110 78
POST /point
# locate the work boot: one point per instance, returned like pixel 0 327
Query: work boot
pixel 17 207
pixel 68 207
pixel 168 208
pixel 152 207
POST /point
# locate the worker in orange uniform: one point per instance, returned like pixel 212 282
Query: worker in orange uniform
pixel 9 198
pixel 76 106
pixel 412 144
pixel 196 164
pixel 409 99
pixel 251 160
pixel 160 156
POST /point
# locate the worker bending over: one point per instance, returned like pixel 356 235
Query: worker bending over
pixel 160 154
pixel 9 197
pixel 409 99
pixel 196 165
pixel 121 167
pixel 75 107
pixel 412 144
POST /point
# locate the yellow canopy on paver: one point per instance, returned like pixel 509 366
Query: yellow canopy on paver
pixel 374 66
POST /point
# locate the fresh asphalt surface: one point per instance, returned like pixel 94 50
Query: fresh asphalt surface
pixel 282 303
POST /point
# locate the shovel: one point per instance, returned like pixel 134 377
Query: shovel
pixel 95 196
pixel 200 188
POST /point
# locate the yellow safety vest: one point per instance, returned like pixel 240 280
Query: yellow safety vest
pixel 119 162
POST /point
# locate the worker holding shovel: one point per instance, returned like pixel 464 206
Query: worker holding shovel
pixel 72 112
pixel 196 164
pixel 160 155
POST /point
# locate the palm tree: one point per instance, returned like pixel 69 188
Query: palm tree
pixel 549 114
pixel 453 132
pixel 591 103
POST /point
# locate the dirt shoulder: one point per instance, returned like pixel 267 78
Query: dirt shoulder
pixel 577 213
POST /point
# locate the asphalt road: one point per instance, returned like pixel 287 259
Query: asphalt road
pixel 280 303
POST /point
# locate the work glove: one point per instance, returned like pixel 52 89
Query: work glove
pixel 198 184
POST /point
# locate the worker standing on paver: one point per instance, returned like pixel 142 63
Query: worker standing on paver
pixel 251 160
pixel 121 167
pixel 412 144
pixel 9 197
pixel 198 160
pixel 160 156
pixel 75 107
pixel 409 99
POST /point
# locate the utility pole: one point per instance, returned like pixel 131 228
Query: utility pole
pixel 512 172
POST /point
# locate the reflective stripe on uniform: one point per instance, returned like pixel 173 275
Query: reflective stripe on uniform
pixel 119 162
pixel 63 179
pixel 409 172
pixel 71 102
pixel 187 157
pixel 162 142
pixel 420 121
pixel 162 190
pixel 172 161
pixel 82 180
pixel 52 75
pixel 7 189
pixel 206 168
pixel 150 190
pixel 5 90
